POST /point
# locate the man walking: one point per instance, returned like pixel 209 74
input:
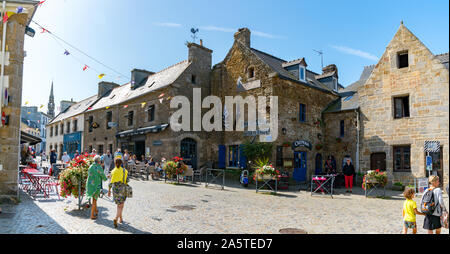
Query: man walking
pixel 107 161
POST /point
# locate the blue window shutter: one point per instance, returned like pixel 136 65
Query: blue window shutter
pixel 222 156
pixel 242 158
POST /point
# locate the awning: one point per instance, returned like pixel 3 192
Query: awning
pixel 28 138
pixel 142 131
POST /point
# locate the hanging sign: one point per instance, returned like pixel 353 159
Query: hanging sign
pixel 432 146
pixel 301 143
pixel 157 143
pixel 112 124
pixel 95 125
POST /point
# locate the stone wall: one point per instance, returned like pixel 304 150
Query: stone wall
pixel 426 81
pixel 347 144
pixel 10 135
pixel 290 94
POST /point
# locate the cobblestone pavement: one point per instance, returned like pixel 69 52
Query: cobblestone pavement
pixel 161 208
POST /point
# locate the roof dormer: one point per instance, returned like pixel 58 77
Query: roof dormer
pixel 297 68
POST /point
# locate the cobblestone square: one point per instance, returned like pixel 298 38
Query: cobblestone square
pixel 161 208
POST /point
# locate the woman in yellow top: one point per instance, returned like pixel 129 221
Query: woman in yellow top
pixel 118 185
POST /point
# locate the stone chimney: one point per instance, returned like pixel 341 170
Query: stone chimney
pixel 330 69
pixel 200 55
pixel 243 35
pixel 138 76
pixel 105 87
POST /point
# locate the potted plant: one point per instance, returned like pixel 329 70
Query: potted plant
pixel 175 168
pixel 398 186
pixel 264 170
pixel 374 177
pixel 75 176
pixel 319 146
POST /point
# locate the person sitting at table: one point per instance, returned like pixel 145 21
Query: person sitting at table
pixel 144 160
pixel 349 171
pixel 95 177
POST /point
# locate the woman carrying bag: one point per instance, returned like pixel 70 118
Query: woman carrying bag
pixel 121 189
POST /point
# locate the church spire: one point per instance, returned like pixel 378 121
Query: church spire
pixel 51 104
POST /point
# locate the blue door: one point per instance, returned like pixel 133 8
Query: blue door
pixel 299 166
pixel 222 156
pixel 242 158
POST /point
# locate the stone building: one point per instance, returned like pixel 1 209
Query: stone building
pixel 302 97
pixel 10 107
pixel 65 131
pixel 41 120
pixel 404 103
pixel 135 116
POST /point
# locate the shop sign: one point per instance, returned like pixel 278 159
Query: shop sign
pixel 112 124
pixel 256 133
pixel 95 125
pixel 157 143
pixel 302 143
pixel 422 185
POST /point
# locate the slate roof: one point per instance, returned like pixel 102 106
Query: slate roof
pixel 75 109
pixel 443 58
pixel 154 82
pixel 277 65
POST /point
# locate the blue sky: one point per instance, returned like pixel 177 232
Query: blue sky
pixel 151 34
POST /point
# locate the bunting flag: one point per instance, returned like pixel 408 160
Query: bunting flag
pixel 19 9
pixel 143 104
pixel 126 106
pixel 161 95
pixel 108 107
pixel 41 2
pixel 26 103
pixel 44 31
pixel 161 100
pixel 5 17
pixel 89 108
pixel 101 76
pixel 85 67
pixel 66 53
pixel 41 106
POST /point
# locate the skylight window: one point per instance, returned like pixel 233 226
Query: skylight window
pixel 348 98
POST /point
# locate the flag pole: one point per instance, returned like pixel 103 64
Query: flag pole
pixel 3 59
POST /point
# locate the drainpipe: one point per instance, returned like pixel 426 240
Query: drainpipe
pixel 357 140
pixel 3 60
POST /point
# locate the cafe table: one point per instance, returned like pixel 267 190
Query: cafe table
pixel 322 183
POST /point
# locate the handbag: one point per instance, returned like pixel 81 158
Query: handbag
pixel 128 190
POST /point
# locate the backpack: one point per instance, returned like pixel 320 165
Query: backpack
pixel 428 204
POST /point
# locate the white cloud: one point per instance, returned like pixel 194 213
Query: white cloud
pixel 355 52
pixel 167 24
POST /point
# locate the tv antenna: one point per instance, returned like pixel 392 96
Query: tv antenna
pixel 320 52
pixel 194 32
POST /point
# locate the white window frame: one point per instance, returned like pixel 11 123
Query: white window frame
pixel 304 73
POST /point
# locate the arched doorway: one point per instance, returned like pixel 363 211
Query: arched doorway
pixel 188 151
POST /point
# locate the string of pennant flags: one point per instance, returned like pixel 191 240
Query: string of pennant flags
pixel 85 67
pixel 61 42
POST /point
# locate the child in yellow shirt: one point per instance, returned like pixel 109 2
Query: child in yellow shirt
pixel 410 212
